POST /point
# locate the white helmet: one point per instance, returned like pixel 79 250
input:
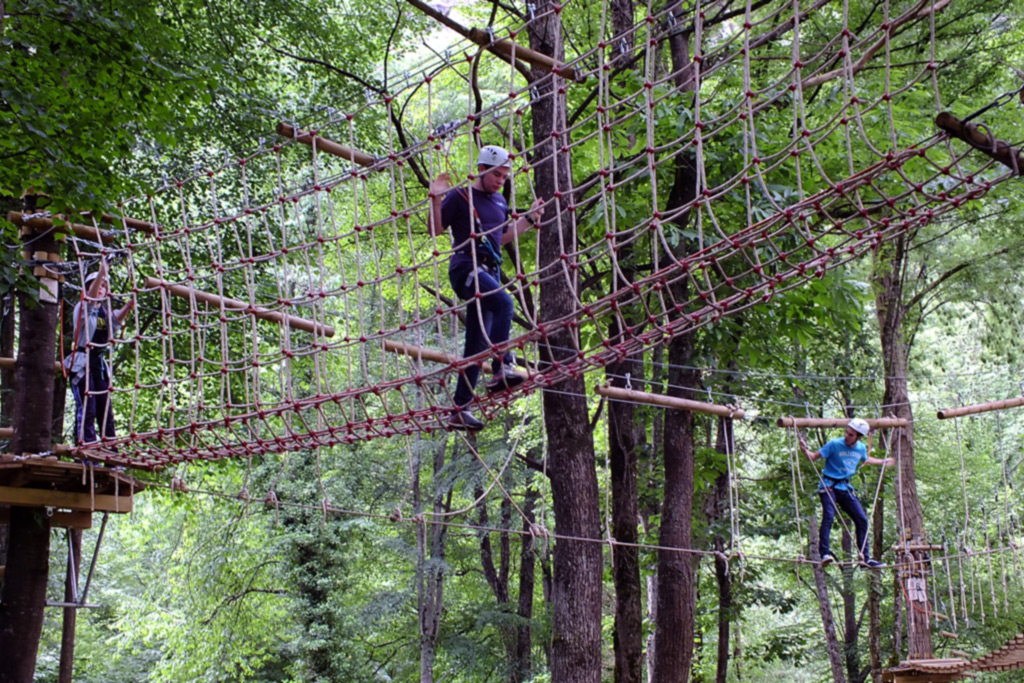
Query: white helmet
pixel 860 426
pixel 90 277
pixel 492 155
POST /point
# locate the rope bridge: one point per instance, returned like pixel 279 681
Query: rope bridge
pixel 294 299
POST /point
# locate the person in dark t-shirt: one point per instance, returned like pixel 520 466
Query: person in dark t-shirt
pixel 96 323
pixel 479 219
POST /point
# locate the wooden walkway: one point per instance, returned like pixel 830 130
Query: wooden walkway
pixel 73 490
pixel 1009 657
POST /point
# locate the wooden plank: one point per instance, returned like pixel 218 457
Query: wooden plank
pixel 242 306
pixel 6 432
pixel 813 422
pixel 981 408
pixel 669 402
pixel 72 520
pixel 65 500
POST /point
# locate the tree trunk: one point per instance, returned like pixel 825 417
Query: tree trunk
pixel 430 540
pixel 576 638
pixel 835 658
pixel 24 587
pixel 875 593
pixel 674 629
pixel 624 437
pixel 521 664
pixel 720 501
pixel 850 631
pixel 890 261
pixel 67 640
pixel 676 591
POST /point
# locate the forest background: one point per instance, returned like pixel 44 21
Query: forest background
pixel 105 100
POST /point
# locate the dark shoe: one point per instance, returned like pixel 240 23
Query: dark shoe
pixel 463 420
pixel 872 564
pixel 505 379
pixel 827 559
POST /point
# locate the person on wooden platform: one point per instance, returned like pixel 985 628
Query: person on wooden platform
pixel 95 323
pixel 842 458
pixel 480 222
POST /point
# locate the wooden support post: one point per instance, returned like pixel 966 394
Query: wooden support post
pixel 813 422
pixel 241 306
pixel 980 408
pixel 24 587
pixel 999 150
pixel 325 145
pixel 617 393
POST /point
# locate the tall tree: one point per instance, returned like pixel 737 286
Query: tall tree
pixel 576 642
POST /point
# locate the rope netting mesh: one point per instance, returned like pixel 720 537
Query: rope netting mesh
pixel 812 144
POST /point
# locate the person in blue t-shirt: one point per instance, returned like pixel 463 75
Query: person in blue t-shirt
pixel 842 458
pixel 480 223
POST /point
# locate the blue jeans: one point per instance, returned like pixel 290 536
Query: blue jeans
pixel 848 503
pixel 488 320
pixel 93 410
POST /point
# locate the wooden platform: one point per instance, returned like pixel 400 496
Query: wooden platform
pixel 73 490
pixel 1009 657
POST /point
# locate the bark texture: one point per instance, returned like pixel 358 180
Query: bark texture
pixel 576 638
pixel 890 262
pixel 24 587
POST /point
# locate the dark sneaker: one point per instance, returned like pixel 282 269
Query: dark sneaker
pixel 871 564
pixel 827 559
pixel 506 379
pixel 463 420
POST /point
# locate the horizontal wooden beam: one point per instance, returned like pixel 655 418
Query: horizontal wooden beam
pixel 72 520
pixel 324 145
pixel 84 231
pixel 812 422
pixel 617 393
pixel 11 364
pixel 421 353
pixel 133 223
pixel 6 432
pixel 241 306
pixel 65 500
pixel 981 408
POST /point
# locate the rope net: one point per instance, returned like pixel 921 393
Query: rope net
pixel 811 144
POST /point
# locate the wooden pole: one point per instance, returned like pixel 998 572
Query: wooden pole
pixel 133 223
pixel 811 422
pixel 420 353
pixel 243 306
pixel 999 150
pixel 8 363
pixel 669 402
pixel 324 145
pixel 503 47
pixel 42 224
pixel 981 408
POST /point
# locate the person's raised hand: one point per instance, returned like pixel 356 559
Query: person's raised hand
pixel 441 184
